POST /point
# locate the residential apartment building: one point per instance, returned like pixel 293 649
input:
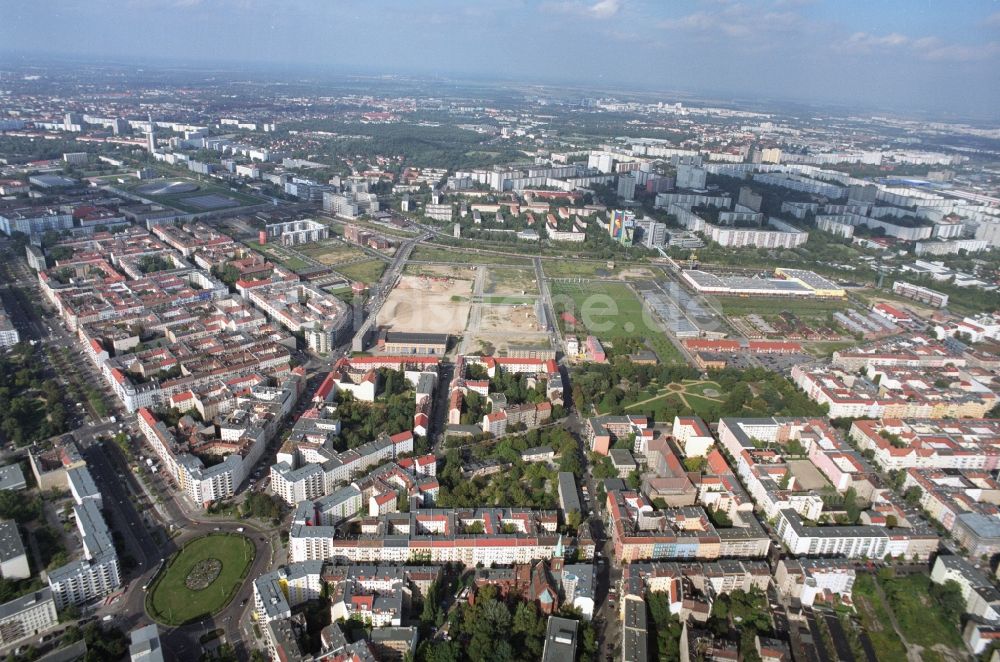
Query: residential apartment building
pixel 27 616
pixel 13 558
pixel 441 536
pixel 98 573
pixel 640 532
pixel 966 444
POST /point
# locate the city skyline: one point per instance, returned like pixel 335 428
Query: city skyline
pixel 895 56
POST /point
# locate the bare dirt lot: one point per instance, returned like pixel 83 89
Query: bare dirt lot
pixel 634 273
pixel 428 304
pixel 511 320
pixel 506 326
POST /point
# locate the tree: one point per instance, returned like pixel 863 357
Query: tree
pixel 694 464
pixel 492 625
pixel 949 596
pixel 21 510
pixel 439 651
pixel 720 519
pixel 912 495
pixel 602 466
pixel 634 479
pixel 525 618
pixel 430 611
pixel 851 505
pixel 666 626
pixel 573 519
pixel 104 645
pixel 748 646
pixel 588 641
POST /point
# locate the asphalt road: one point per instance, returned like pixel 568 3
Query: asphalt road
pixel 120 499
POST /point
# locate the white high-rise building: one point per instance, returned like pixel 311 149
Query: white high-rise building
pixel 152 135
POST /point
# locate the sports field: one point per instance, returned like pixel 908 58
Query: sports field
pixel 200 579
pixel 609 311
pixel 205 197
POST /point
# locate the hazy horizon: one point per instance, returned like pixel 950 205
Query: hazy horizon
pixel 911 58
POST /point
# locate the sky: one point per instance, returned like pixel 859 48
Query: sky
pixel 941 56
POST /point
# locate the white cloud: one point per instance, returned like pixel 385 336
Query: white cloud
pixel 993 20
pixel 863 43
pixel 739 20
pixel 931 49
pixel 605 8
pixel 602 9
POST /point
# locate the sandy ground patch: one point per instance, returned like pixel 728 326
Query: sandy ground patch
pixel 511 320
pixel 634 273
pixel 425 304
pixel 503 327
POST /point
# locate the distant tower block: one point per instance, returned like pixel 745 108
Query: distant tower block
pixel 262 237
pixel 457 231
pixel 152 134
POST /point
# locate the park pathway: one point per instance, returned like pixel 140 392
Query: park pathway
pixel 666 390
pixel 913 652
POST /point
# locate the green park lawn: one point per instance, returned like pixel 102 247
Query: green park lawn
pixel 662 405
pixel 367 272
pixel 610 311
pixel 570 268
pixel 171 602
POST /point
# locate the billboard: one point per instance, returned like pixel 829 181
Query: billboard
pixel 622 226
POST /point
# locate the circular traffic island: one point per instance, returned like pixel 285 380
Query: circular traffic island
pixel 200 579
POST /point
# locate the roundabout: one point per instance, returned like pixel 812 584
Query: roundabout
pixel 201 579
